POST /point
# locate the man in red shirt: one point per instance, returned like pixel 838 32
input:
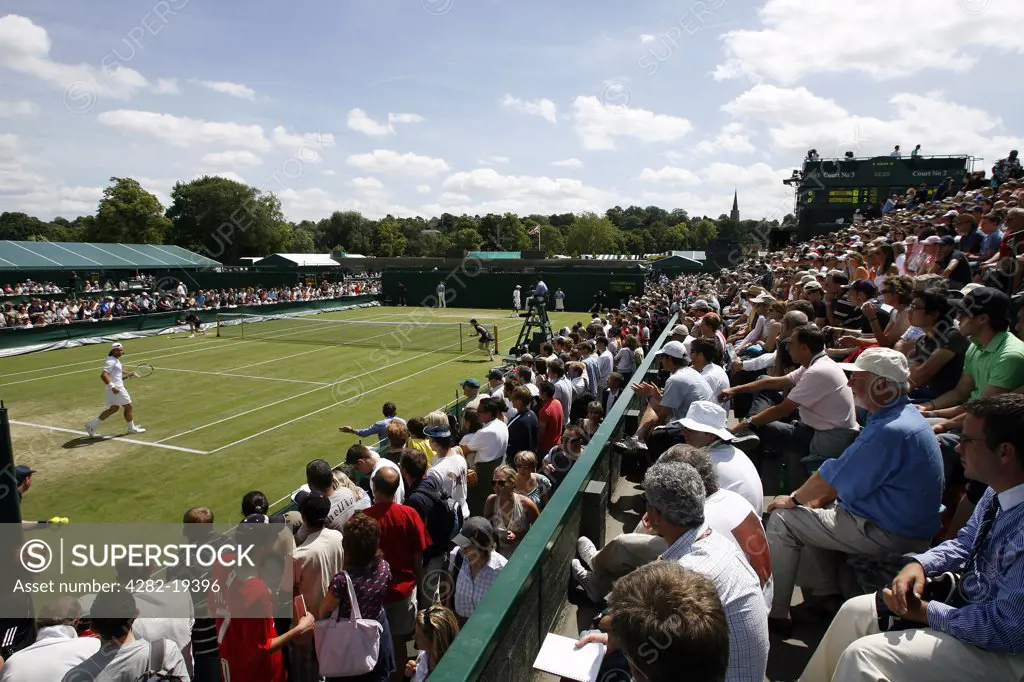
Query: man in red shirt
pixel 551 418
pixel 403 539
pixel 250 648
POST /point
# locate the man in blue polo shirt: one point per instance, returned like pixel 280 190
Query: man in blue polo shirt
pixel 379 429
pixel 888 482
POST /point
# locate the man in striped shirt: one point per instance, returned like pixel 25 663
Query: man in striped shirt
pixel 978 632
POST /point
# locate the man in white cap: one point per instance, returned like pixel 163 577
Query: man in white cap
pixel 683 386
pixel 889 484
pixel 113 376
pixel 704 426
pixel 517 300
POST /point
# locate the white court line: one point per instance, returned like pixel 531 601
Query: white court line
pixel 117 438
pixel 304 393
pixel 332 406
pixel 243 376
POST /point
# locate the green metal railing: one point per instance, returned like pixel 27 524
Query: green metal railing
pixel 504 634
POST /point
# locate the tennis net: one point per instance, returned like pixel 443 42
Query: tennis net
pixel 396 334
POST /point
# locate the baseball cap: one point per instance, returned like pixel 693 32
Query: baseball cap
pixel 700 303
pixel 813 286
pixel 933 240
pixel 526 357
pixel 315 507
pixel 887 363
pixel 985 301
pixel 947 240
pixel 116 346
pixel 864 286
pixel 495 374
pixel 22 471
pixel 680 330
pixel 477 531
pixel 674 349
pixel 475 383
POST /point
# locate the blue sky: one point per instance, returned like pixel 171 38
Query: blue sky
pixel 427 106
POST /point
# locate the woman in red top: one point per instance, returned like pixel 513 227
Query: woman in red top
pixel 250 648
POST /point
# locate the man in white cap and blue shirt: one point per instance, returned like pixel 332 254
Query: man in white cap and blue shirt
pixel 113 376
pixel 888 484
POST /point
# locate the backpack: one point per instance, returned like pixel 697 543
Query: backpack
pixel 445 520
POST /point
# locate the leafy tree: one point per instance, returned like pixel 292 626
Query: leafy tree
pixel 128 214
pixel 552 243
pixel 20 226
pixel 388 239
pixel 226 220
pixel 592 234
pixel 466 239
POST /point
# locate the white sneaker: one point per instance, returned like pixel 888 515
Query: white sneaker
pixel 587 551
pixel 90 427
pixel 136 429
pixel 585 579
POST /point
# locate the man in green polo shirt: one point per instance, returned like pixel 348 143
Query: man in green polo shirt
pixel 994 364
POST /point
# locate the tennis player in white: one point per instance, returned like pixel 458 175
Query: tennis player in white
pixel 517 300
pixel 113 376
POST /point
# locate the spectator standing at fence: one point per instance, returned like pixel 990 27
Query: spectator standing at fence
pixel 977 632
pixel 315 563
pixel 551 418
pixel 523 427
pixel 488 446
pixel 442 295
pixel 57 648
pixel 367 463
pixel 559 300
pixel 474 566
pixel 404 540
pixel 379 429
pixel 450 467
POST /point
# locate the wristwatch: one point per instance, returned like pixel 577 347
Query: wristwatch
pixel 796 501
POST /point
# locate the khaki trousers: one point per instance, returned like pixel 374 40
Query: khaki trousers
pixel 854 651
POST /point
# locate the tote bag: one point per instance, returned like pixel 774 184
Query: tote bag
pixel 347 646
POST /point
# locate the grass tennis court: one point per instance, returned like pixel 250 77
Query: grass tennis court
pixel 226 415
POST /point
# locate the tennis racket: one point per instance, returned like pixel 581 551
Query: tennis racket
pixel 143 370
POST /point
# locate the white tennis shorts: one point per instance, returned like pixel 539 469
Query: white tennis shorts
pixel 121 398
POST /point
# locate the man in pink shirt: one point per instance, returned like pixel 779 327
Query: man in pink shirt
pixel 818 393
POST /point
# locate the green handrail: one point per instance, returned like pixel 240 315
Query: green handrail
pixel 474 647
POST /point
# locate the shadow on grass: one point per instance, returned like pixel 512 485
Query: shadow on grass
pixel 86 441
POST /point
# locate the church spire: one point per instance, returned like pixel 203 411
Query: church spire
pixel 735 215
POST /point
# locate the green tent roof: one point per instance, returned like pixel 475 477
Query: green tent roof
pixel 72 255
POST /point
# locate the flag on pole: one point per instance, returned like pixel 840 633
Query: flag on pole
pixel 535 231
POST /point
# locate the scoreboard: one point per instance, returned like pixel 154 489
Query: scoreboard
pixel 859 196
pixel 831 190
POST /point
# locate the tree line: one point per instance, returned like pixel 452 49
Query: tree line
pixel 226 220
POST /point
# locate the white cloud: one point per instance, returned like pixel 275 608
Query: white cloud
pixel 231 158
pixel 239 90
pixel 167 86
pixel 492 159
pixel 798 39
pixel 647 38
pixel 568 163
pixel 330 173
pixel 182 131
pixel 388 162
pixel 405 118
pixel 489 191
pixel 673 156
pixel 314 203
pixel 423 189
pixel 360 121
pixel 19 109
pixel 669 175
pixel 730 174
pixel 598 124
pixel 25 48
pixel 544 108
pixel 368 184
pixel 798 120
pixel 303 147
pixel 732 138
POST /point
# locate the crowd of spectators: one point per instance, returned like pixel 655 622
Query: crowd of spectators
pixel 874 458
pixel 81 307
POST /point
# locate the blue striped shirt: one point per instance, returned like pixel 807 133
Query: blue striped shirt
pixel 993 619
